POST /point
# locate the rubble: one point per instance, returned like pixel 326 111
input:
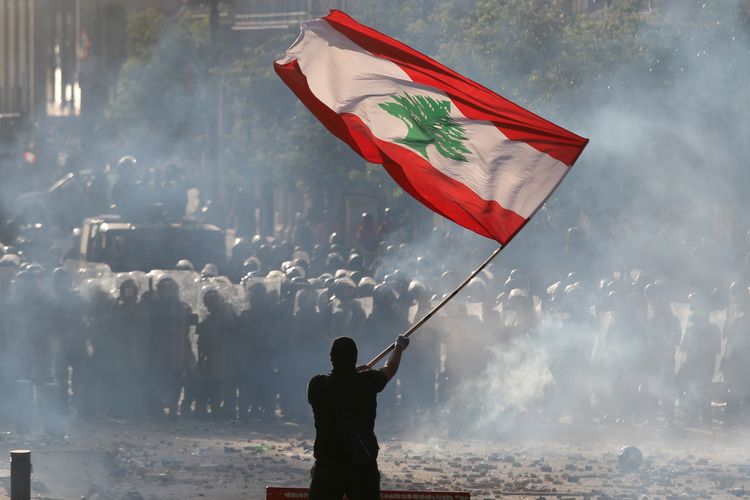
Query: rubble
pixel 144 461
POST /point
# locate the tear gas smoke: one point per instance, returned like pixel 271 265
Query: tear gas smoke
pixel 657 197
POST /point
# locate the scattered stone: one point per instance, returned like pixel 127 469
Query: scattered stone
pixel 629 459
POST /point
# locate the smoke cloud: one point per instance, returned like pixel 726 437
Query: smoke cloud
pixel 657 196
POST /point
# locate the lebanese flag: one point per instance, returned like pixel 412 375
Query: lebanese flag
pixel 464 151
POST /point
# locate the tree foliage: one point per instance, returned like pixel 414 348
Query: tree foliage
pixel 273 136
pixel 160 104
pixel 535 52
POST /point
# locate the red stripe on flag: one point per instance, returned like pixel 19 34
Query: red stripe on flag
pixel 472 99
pixel 292 75
pixel 441 193
pixel 413 173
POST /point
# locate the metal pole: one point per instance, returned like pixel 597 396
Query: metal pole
pixel 435 309
pixel 20 475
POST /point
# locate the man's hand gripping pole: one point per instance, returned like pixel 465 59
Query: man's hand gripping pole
pixel 435 309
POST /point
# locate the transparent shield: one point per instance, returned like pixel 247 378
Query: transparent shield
pixel 272 286
pixel 189 283
pixel 140 278
pixel 233 295
pixel 83 272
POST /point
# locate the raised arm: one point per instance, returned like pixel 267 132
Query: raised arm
pixel 391 366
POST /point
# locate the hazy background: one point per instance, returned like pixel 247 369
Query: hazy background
pixel 662 89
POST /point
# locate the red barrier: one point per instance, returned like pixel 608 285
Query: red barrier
pixel 301 493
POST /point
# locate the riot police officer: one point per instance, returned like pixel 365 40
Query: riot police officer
pixel 214 344
pixel 171 353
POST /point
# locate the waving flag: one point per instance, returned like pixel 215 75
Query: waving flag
pixel 459 148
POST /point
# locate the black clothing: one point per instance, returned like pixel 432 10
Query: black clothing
pixel 358 389
pixel 332 480
pixel 256 355
pixel 351 395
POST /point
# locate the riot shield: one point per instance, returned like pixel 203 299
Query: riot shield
pixel 233 295
pixel 307 298
pixel 189 283
pixel 271 284
pixel 301 255
pixel 96 290
pixel 140 278
pixel 366 304
pixel 82 274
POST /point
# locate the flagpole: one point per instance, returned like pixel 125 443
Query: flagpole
pixel 435 309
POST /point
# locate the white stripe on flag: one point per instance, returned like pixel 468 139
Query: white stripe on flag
pixel 348 79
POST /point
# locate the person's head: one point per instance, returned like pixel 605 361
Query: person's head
pixel 167 289
pixel 209 271
pixel 477 289
pixel 335 239
pixel 384 298
pixel 365 286
pixel 356 276
pixel 128 291
pixel 255 293
pixel 241 250
pixel 295 272
pixel 334 261
pixel 655 294
pixel 344 288
pixel 184 265
pixel 344 354
pixel 418 293
pixel 127 167
pixel 250 265
pixel 212 300
pixel 367 219
pixel 355 262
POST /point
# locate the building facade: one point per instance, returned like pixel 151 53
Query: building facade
pixel 16 56
pixel 53 51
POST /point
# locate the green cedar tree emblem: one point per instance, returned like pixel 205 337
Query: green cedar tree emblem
pixel 428 121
